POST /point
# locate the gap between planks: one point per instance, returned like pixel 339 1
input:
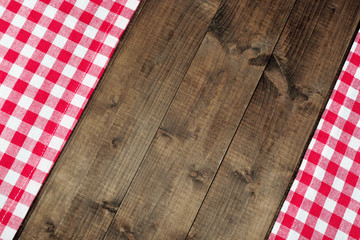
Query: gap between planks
pixel 46 227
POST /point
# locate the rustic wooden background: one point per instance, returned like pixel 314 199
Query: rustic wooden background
pixel 199 123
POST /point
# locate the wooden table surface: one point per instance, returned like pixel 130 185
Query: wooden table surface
pixel 199 123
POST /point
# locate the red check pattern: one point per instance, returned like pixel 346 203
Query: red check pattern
pixel 324 200
pixel 52 53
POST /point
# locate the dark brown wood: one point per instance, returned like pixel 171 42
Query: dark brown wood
pixel 252 180
pixel 154 155
pixel 87 185
pixel 183 158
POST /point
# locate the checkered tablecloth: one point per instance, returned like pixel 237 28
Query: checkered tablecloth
pixel 52 54
pixel 324 200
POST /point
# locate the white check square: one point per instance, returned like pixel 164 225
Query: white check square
pixel 69 71
pixel 101 13
pixel 8 233
pixel 344 112
pixel 78 100
pixel 356 195
pixel 330 205
pixel 50 12
pixel 70 21
pixel 121 22
pixel 354 143
pixel 357 74
pixel 132 4
pixel 36 81
pixel 111 41
pixel 327 152
pixel 319 173
pixel 59 41
pixel 340 235
pixel 44 165
pixel 310 194
pixel 21 210
pixel 80 51
pixel 335 132
pixel 338 184
pixel 352 93
pixel 18 21
pixel 293 234
pixel 90 32
pixel 33 187
pixel 6 41
pixel 302 215
pixel 57 91
pixel 100 60
pixel 11 177
pixel 3 145
pixel 67 121
pixel 350 215
pixel 48 61
pixel 23 155
pixel 27 51
pixel 56 143
pixel 89 80
pixel 16 71
pixel 2 200
pixel 346 163
pixel 2 10
pixel 25 102
pixel 13 123
pixel 81 4
pixel 35 133
pixel 29 3
pixel 46 112
pixel 39 31
pixel 4 91
pixel 321 226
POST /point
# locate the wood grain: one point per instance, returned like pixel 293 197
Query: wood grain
pixel 199 122
pixel 252 180
pixel 87 185
pixel 177 170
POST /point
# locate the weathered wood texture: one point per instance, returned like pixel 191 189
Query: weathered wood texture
pixel 154 155
pixel 183 158
pixel 253 178
pixel 89 181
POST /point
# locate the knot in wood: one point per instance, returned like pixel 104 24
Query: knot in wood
pixel 50 227
pixel 127 232
pixel 194 174
pixel 115 142
pixel 110 207
pixel 113 102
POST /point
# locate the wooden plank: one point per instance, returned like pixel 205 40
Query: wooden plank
pixel 110 63
pixel 252 180
pixel 87 185
pixel 178 168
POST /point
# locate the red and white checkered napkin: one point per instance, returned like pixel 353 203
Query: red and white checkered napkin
pixel 52 54
pixel 324 200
